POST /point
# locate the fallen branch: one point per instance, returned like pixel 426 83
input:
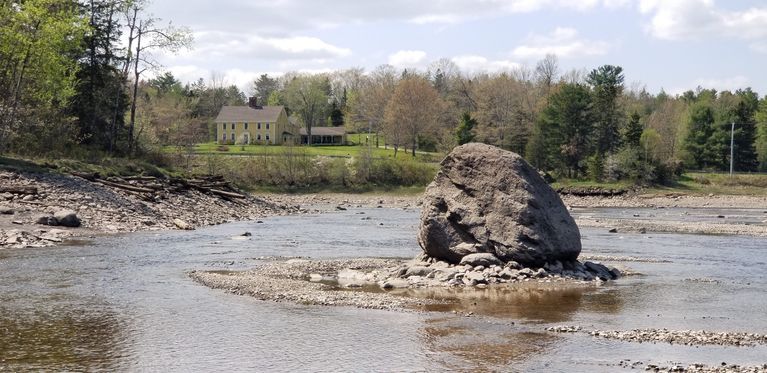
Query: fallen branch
pixel 18 189
pixel 125 186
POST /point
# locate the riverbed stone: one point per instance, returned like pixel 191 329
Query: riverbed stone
pixel 67 218
pixel 481 259
pixel 180 224
pixel 488 200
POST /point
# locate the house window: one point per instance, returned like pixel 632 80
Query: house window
pixel 246 138
pixel 232 137
pixel 267 126
pixel 232 125
pixel 246 126
pixel 267 136
pixel 258 137
pixel 223 137
pixel 259 125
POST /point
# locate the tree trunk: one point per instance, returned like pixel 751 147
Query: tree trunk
pixel 136 76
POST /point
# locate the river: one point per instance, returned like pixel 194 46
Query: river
pixel 124 303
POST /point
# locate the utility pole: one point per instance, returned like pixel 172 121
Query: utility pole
pixel 732 147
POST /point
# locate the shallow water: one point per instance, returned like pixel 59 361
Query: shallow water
pixel 125 303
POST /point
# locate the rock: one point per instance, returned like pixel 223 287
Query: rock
pixel 418 271
pixel 394 283
pixel 340 208
pixel 480 259
pixel 555 267
pixel 6 211
pixel 643 230
pixel 47 220
pixel 474 278
pixel 247 234
pixel 613 230
pixel 17 222
pixel 485 199
pixel 67 218
pixel 599 270
pixel 180 224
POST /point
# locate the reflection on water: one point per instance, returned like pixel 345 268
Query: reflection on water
pixel 60 339
pixel 549 303
pixel 463 345
pixel 125 303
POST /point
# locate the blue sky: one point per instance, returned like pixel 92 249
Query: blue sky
pixel 671 44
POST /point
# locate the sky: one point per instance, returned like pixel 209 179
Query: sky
pixel 674 45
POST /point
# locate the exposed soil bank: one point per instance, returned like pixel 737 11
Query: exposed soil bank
pixel 106 209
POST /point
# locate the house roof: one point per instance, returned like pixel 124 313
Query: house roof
pixel 325 131
pixel 249 114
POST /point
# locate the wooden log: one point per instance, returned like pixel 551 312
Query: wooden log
pixel 129 187
pixel 140 178
pixel 90 176
pixel 227 194
pixel 18 189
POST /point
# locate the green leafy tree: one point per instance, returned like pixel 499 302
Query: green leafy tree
pixel 464 134
pixel 761 135
pixel 307 97
pixel 38 39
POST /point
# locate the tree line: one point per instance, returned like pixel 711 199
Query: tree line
pixel 77 76
pixel 70 72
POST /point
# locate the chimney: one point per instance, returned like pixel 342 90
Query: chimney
pixel 253 103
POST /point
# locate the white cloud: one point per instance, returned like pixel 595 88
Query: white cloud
pixel 287 16
pixel 698 19
pixel 217 44
pixel 720 84
pixel 475 64
pixel 562 42
pixel 407 58
pixel 724 84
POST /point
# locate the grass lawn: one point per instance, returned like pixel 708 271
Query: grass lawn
pixel 329 151
pixel 717 183
pixel 693 183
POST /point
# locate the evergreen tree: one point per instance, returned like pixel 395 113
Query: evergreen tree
pixel 607 84
pixel 700 129
pixel 465 132
pixel 565 127
pixel 633 132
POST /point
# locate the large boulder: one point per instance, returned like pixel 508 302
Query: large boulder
pixel 488 200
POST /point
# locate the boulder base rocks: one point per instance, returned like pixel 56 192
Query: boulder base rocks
pixel 488 200
pixel 64 218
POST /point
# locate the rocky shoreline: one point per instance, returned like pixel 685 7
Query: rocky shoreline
pixel 104 208
pixel 679 337
pixel 373 283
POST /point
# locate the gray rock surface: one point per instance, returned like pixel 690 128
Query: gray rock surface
pixel 67 218
pixel 481 259
pixel 488 200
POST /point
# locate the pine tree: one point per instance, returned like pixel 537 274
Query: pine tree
pixel 464 133
pixel 633 132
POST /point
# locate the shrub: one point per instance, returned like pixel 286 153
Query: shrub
pixel 629 164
